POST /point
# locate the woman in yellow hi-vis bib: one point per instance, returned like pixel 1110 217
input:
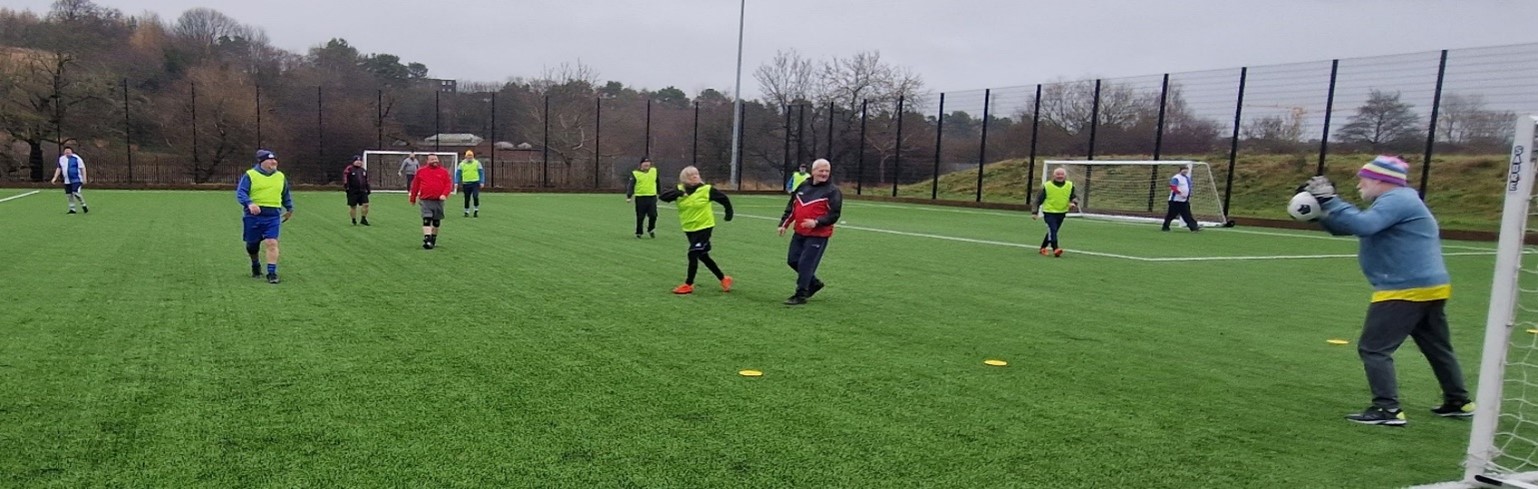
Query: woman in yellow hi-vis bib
pixel 698 219
pixel 1056 199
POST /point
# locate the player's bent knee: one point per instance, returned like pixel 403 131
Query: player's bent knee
pixel 253 247
pixel 437 222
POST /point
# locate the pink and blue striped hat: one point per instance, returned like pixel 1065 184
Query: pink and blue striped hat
pixel 1388 169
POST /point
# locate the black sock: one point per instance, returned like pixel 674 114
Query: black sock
pixel 711 264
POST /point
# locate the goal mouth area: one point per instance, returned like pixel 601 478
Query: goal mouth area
pixel 1138 191
pixel 381 162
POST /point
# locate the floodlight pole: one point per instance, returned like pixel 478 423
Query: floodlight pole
pixel 737 100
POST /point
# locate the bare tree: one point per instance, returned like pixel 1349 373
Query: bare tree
pixel 41 89
pixel 786 79
pixel 205 27
pixel 1381 121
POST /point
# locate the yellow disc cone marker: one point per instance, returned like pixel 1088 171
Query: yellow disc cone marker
pixel 1532 330
pixel 996 363
pixel 750 373
pixel 1337 342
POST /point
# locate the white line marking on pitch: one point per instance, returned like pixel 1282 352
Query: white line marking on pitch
pixel 14 197
pixel 1301 235
pixel 1101 254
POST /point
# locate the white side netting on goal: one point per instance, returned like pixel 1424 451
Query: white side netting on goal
pixel 383 167
pixel 1138 190
pixel 1503 444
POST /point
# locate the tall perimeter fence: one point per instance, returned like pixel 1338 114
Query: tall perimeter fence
pixel 1448 113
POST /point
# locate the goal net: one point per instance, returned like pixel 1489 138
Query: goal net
pixel 1503 444
pixel 1138 190
pixel 384 167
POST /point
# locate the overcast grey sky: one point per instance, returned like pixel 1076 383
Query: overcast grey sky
pixel 954 45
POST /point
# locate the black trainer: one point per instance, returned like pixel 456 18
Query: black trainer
pixel 796 300
pixel 816 286
pixel 1454 409
pixel 652 233
pixel 256 271
pixel 272 278
pixel 355 222
pixel 72 211
pixel 85 209
pixel 637 235
pixel 475 214
pixel 365 222
pixel 1379 416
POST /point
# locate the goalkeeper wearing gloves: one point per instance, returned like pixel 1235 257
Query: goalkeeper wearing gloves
pixel 1401 255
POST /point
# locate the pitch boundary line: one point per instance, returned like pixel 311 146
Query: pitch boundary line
pixel 14 197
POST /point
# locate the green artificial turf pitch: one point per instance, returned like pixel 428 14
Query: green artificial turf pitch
pixel 540 346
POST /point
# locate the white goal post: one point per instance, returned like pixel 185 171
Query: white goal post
pixel 1137 190
pixel 1503 442
pixel 383 166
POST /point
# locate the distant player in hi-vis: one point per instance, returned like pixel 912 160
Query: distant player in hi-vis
pixel 643 188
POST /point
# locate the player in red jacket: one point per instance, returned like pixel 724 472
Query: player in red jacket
pixel 431 187
pixel 815 206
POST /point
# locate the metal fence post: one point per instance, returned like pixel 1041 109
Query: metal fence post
pixel 258 115
pixel 828 153
pixel 1094 125
pixel 785 161
pixel 128 143
pixel 898 152
pixel 1329 108
pixel 694 143
pixel 597 136
pixel 1233 144
pixel 1153 171
pixel 437 120
pixel 545 146
pixel 934 184
pixel 859 182
pixel 197 163
pixel 982 146
pixel 1030 169
pixel 491 174
pixel 1431 130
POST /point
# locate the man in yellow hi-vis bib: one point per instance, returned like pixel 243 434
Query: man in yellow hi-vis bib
pixel 643 187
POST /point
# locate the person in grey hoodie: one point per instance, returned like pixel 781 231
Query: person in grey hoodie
pixel 1400 252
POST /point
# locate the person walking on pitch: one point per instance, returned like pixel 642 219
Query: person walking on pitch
pixel 469 176
pixel 1055 200
pixel 814 208
pixel 263 193
pixel 694 196
pixel 72 168
pixel 643 188
pixel 1400 253
pixel 408 168
pixel 431 187
pixel 355 184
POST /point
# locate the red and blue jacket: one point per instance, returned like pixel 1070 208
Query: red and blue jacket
pixel 822 202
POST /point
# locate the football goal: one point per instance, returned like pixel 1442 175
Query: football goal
pixel 384 167
pixel 1138 190
pixel 1503 441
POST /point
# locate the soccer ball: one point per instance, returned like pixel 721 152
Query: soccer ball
pixel 1304 207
